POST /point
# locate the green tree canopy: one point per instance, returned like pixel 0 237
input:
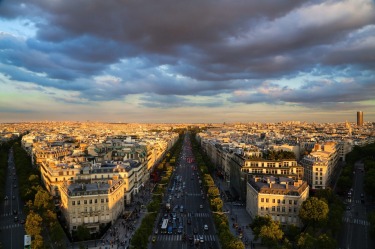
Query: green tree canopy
pixel 271 234
pixel 313 211
pixel 43 200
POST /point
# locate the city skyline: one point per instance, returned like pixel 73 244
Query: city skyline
pixel 184 62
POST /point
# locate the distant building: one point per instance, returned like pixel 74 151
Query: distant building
pixel 359 118
pixel 279 197
pixel 320 165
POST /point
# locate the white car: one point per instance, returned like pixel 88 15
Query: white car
pixel 205 227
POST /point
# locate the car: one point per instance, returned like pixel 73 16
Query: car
pixel 6 197
pixel 201 206
pixel 191 238
pixel 201 239
pixel 348 208
pixel 15 218
pixel 156 231
pixel 22 221
pixel 205 227
pixel 153 239
pixel 15 212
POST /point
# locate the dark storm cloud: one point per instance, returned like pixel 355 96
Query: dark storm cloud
pixel 109 49
pixel 168 101
pixel 327 91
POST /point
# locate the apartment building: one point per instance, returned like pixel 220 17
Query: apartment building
pixel 279 197
pixel 320 165
pixel 287 168
pixel 92 204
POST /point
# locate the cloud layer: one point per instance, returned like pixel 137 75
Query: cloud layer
pixel 179 53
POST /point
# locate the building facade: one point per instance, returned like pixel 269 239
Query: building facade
pixel 279 197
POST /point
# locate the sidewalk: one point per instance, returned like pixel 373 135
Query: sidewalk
pixel 238 218
pixel 119 234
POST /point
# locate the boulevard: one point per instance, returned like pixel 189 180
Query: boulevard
pixel 189 208
pixel 11 215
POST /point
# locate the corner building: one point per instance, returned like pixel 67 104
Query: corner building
pixel 279 197
pixel 92 204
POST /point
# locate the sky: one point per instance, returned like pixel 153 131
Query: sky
pixel 187 61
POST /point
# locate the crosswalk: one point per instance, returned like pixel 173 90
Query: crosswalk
pixel 356 221
pixel 178 237
pixel 10 226
pixel 201 215
pixel 9 214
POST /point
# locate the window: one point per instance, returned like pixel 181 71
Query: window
pixel 106 200
pixel 267 200
pixel 290 202
pixel 85 201
pixel 283 209
pixel 102 200
pixel 295 202
pixel 273 208
pixel 78 202
pixel 96 201
pixel 283 201
pixel 278 209
pixel 262 208
pixel 73 203
pixel 90 201
pixel 273 200
pixel 278 201
pixel 262 200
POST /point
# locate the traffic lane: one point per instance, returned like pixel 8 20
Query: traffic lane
pixel 359 238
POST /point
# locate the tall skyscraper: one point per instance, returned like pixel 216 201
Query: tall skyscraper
pixel 359 118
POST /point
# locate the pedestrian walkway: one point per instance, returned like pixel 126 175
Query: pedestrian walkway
pixel 198 215
pixel 239 219
pixel 10 214
pixel 178 237
pixel 355 221
pixel 119 234
pixel 10 226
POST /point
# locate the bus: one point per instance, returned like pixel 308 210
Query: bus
pixel 164 226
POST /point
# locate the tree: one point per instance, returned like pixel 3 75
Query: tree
pixel 42 200
pixel 306 241
pixel 213 191
pixel 38 242
pixel 82 233
pixel 313 211
pixel 258 223
pixel 33 225
pixel 271 234
pixel 325 242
